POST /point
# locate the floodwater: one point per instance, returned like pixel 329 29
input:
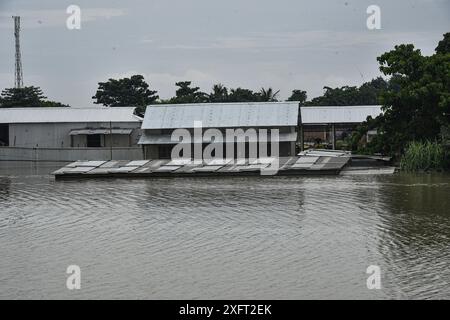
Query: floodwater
pixel 231 238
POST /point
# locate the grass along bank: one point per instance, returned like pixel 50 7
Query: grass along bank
pixel 424 156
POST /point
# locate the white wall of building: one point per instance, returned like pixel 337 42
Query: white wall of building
pixel 69 154
pixel 57 135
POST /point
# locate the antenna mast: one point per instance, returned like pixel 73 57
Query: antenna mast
pixel 18 81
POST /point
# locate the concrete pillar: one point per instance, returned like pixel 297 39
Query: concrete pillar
pixel 301 138
pixel 333 135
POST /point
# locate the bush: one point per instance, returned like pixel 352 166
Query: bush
pixel 423 156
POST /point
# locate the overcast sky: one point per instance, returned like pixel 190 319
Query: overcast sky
pixel 286 44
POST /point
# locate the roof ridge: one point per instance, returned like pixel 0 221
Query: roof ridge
pixel 222 103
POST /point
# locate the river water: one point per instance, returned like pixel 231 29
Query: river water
pixel 230 238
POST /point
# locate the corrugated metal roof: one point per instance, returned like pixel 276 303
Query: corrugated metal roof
pixel 100 131
pixel 338 114
pixel 64 115
pixel 155 139
pixel 222 115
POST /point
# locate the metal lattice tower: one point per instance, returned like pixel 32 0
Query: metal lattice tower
pixel 18 82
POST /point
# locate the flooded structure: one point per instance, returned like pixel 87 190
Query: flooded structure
pixel 285 166
pixel 67 134
pixel 329 125
pixel 301 127
pixel 312 162
pixel 71 134
pixel 161 141
pixel 161 121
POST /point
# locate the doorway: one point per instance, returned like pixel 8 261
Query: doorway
pixel 4 135
pixel 94 141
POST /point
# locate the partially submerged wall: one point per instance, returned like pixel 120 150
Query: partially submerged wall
pixel 57 135
pixel 69 154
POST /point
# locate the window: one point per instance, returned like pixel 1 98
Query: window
pixel 165 152
pixel 167 131
pixel 94 141
pixel 4 135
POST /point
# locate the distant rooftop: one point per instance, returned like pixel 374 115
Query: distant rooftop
pixel 212 115
pixel 338 114
pixel 65 115
pixel 222 115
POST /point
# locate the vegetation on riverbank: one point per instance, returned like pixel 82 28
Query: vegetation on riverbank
pixel 416 108
pixel 424 156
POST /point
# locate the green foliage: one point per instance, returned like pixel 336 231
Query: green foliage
pixel 53 104
pixel 243 95
pixel 416 102
pixel 298 95
pixel 132 91
pixel 423 156
pixel 26 97
pixel 444 45
pixel 445 135
pixel 187 94
pixel 268 95
pixel 22 98
pixel 219 94
pixel 367 94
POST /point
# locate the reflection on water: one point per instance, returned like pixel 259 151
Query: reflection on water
pixel 416 234
pixel 5 184
pixel 262 238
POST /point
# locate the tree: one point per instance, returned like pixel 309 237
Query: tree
pixel 268 95
pixel 219 94
pixel 444 45
pixel 243 95
pixel 416 103
pixel 298 95
pixel 336 97
pixel 367 94
pixel 187 94
pixel 22 97
pixel 26 97
pixel 53 104
pixel 124 92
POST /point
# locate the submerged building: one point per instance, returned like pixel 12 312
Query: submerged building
pixel 161 121
pixel 66 134
pixel 332 124
pixel 70 134
pixel 299 127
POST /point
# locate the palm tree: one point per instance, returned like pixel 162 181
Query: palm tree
pixel 268 95
pixel 219 93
